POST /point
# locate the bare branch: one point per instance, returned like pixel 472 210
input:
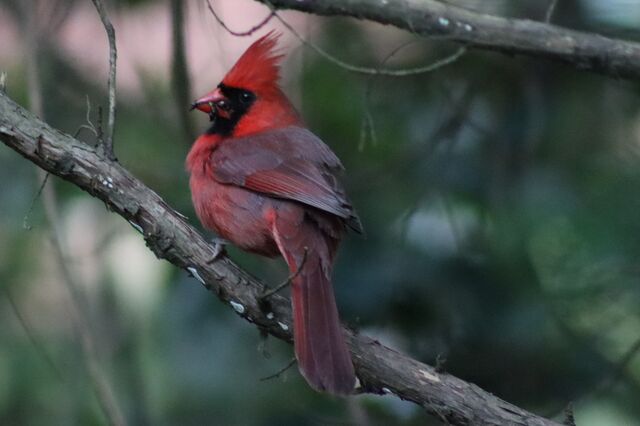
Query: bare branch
pixel 280 372
pixel 239 33
pixel 79 317
pixel 35 341
pixel 585 51
pixel 25 219
pixel 111 85
pixel 179 70
pixel 380 370
pixel 88 125
pixel 367 70
pixel 368 125
pixel 569 418
pixel 609 378
pixel 550 10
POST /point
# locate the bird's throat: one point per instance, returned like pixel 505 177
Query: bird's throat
pixel 221 126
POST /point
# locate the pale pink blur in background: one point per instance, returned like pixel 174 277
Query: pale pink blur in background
pixel 144 41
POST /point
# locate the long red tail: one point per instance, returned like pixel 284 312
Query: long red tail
pixel 323 357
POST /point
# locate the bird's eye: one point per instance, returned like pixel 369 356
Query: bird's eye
pixel 246 96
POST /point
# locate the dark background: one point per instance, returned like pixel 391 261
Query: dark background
pixel 500 197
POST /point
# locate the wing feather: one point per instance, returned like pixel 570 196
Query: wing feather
pixel 290 163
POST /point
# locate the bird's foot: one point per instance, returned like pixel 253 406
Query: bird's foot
pixel 218 248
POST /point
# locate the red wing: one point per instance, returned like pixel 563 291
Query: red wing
pixel 300 181
pixel 289 163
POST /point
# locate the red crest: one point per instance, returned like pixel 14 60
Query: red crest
pixel 258 67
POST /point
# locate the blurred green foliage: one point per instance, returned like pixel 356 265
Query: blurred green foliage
pixel 500 198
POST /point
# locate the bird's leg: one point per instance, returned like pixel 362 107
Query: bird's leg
pixel 270 292
pixel 218 248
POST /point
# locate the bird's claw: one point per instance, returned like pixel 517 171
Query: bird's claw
pixel 218 249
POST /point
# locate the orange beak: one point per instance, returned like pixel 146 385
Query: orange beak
pixel 208 101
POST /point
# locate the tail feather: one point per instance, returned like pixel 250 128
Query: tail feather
pixel 322 353
pixel 320 347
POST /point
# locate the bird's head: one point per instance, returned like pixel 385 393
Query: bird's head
pixel 250 89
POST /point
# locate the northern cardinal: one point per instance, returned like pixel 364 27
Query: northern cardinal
pixel 261 180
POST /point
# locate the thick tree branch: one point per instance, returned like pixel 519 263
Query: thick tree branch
pixel 380 370
pixel 611 57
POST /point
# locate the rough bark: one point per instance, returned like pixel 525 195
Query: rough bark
pixel 592 52
pixel 380 370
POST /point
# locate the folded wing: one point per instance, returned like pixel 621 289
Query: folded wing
pixel 289 163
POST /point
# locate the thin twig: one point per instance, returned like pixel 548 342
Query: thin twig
pixel 34 92
pixel 569 418
pixel 100 133
pixel 366 70
pixel 441 361
pixel 585 51
pixel 368 124
pixel 35 341
pixel 88 117
pixel 180 70
pixel 550 10
pixel 84 127
pixel 279 372
pixel 613 371
pixel 111 85
pixel 78 316
pixel 609 379
pixel 89 125
pixel 240 33
pixel 288 281
pixel 25 219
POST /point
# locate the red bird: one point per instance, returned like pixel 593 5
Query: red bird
pixel 262 180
